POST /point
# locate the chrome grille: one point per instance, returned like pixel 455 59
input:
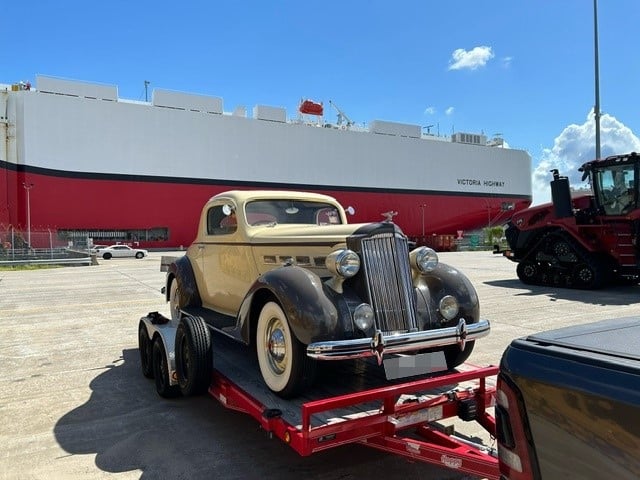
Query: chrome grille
pixel 388 275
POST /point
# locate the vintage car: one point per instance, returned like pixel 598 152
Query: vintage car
pixel 284 272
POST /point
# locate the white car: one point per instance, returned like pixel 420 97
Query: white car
pixel 121 251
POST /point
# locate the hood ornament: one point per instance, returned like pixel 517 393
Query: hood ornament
pixel 389 216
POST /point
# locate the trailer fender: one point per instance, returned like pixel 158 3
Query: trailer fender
pixel 167 332
pixel 182 272
pixel 311 314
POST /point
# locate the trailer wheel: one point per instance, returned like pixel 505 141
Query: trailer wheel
pixel 144 345
pixel 284 365
pixel 161 371
pixel 194 362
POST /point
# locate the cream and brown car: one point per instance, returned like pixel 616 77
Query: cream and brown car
pixel 285 273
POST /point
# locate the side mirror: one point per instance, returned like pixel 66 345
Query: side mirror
pixel 350 210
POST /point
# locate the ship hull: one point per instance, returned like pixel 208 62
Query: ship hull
pixel 140 173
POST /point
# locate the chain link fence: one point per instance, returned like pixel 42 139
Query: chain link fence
pixel 40 246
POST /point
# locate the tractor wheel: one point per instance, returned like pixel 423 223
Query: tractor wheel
pixel 588 275
pixel 527 272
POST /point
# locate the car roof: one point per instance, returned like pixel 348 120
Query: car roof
pixel 241 196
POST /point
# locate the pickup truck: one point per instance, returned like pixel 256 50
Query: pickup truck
pixel 568 403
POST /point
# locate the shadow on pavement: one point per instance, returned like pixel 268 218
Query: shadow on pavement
pixel 615 295
pixel 130 428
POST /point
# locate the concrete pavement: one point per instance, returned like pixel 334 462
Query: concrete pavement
pixel 75 405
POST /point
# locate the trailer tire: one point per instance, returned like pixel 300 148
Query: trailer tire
pixel 161 371
pixel 144 345
pixel 284 364
pixel 194 359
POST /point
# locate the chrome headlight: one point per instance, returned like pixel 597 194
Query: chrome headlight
pixel 363 316
pixel 424 259
pixel 449 307
pixel 343 262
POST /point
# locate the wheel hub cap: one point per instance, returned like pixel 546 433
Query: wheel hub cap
pixel 277 349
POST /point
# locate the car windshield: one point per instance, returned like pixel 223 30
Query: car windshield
pixel 291 211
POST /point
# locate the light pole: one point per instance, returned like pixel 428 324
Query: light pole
pixel 422 208
pixel 596 108
pixel 28 187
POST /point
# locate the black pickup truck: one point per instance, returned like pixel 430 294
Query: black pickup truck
pixel 568 403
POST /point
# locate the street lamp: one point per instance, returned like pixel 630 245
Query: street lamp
pixel 28 187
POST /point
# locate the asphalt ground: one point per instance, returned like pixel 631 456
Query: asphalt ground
pixel 74 405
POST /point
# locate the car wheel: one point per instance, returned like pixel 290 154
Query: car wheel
pixel 454 356
pixel 285 367
pixel 144 345
pixel 161 371
pixel 139 254
pixel 194 362
pixel 106 256
pixel 174 300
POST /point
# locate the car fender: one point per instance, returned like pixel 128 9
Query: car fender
pixel 448 280
pixel 182 272
pixel 310 312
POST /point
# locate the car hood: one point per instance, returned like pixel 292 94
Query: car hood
pixel 311 234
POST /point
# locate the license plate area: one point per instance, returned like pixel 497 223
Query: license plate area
pixel 402 366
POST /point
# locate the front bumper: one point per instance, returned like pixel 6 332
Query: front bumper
pixel 400 343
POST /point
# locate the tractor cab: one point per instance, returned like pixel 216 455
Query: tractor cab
pixel 615 184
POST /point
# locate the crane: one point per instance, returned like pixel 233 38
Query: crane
pixel 341 115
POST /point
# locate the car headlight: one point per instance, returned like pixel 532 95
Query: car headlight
pixel 363 316
pixel 343 262
pixel 425 259
pixel 449 307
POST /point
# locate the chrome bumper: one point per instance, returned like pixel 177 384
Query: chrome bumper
pixel 404 342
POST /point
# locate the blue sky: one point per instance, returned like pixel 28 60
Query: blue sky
pixel 523 69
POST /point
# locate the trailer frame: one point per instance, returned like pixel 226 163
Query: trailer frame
pixel 402 418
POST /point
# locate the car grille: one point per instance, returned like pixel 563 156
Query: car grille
pixel 388 275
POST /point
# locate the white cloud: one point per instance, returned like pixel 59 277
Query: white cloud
pixel 449 111
pixel 472 59
pixel 575 146
pixel 430 110
pixel 506 62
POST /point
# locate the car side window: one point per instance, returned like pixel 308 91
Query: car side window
pixel 220 224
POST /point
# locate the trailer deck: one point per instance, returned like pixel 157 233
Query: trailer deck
pixel 352 402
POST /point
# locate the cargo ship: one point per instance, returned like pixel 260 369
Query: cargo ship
pixel 77 161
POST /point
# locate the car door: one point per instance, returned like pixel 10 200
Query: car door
pixel 224 260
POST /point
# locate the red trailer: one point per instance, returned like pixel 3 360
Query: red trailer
pixel 401 417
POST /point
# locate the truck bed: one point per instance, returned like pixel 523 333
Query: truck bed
pixel 612 344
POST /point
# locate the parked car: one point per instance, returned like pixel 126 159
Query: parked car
pixel 286 274
pixel 121 251
pixel 96 248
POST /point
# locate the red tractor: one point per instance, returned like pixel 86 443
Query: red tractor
pixel 588 241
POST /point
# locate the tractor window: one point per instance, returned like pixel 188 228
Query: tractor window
pixel 617 189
